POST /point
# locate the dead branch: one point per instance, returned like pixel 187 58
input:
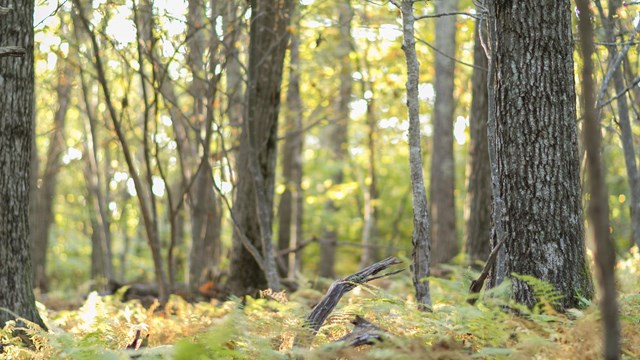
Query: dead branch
pixel 477 284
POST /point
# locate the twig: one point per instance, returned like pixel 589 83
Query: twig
pixel 452 13
pixel 477 284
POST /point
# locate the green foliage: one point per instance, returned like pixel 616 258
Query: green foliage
pixel 266 327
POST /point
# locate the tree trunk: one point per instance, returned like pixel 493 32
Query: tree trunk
pixel 45 192
pixel 336 136
pixel 536 148
pixel 253 206
pixel 16 137
pixel 421 237
pixel 101 265
pixel 445 242
pixel 370 226
pixel 478 207
pixel 206 219
pixel 290 208
pixel 598 202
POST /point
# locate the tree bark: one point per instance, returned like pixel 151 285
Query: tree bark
pixel 290 208
pixel 598 202
pixel 421 236
pixel 336 137
pixel 536 148
pixel 478 207
pixel 253 206
pixel 16 137
pixel 445 242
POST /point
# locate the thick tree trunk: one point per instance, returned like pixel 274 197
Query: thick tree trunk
pixel 336 136
pixel 536 148
pixel 253 206
pixel 421 237
pixel 290 208
pixel 478 208
pixel 45 192
pixel 16 137
pixel 445 242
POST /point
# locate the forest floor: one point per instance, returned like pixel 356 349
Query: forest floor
pixel 103 327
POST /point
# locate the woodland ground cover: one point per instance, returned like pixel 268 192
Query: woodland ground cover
pixel 103 327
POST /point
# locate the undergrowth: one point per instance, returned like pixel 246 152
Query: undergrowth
pixel 266 327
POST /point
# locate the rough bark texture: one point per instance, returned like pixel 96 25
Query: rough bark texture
pixel 598 202
pixel 536 148
pixel 336 135
pixel 45 192
pixel 290 208
pixel 421 237
pixel 478 199
pixel 445 242
pixel 253 206
pixel 16 132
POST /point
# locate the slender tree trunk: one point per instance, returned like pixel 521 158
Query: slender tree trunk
pixel 206 219
pixel 598 203
pixel 445 242
pixel 536 148
pixel 45 191
pixel 290 208
pixel 421 237
pixel 253 206
pixel 478 207
pixel 336 136
pixel 370 226
pixel 16 139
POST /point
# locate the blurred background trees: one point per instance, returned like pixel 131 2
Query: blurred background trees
pixel 140 107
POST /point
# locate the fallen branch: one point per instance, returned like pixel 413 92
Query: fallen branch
pixel 477 284
pixel 337 290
